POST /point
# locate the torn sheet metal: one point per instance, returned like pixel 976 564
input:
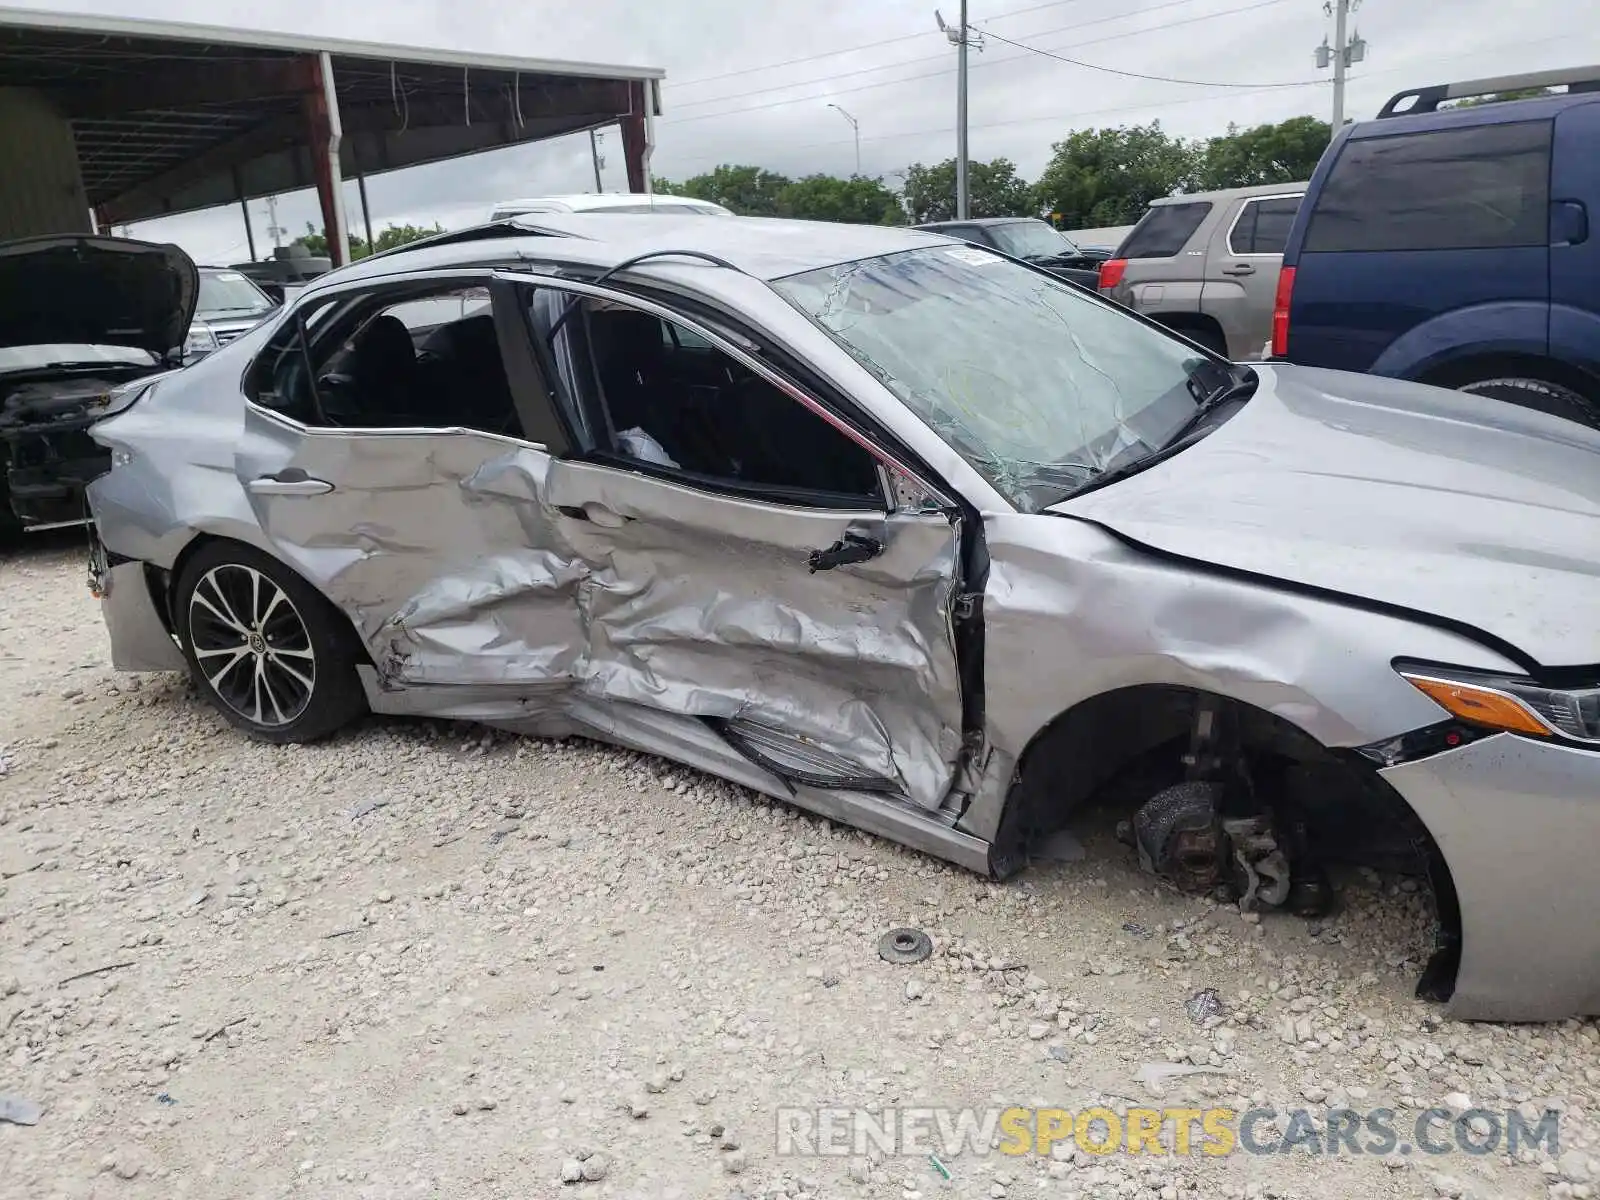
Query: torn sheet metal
pixel 704 605
pixel 461 561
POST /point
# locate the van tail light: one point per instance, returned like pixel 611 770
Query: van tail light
pixel 1280 313
pixel 1111 272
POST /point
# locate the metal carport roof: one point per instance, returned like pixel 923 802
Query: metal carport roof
pixel 172 117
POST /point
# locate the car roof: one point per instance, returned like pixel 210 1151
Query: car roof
pixel 580 201
pixel 764 247
pixel 979 221
pixel 1533 108
pixel 1265 189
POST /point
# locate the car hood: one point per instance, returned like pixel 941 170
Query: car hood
pixel 1467 509
pixel 96 291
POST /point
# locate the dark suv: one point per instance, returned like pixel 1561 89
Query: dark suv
pixel 1453 246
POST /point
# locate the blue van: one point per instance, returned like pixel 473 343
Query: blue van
pixel 1455 246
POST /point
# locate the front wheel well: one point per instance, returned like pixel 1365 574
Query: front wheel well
pixel 1120 748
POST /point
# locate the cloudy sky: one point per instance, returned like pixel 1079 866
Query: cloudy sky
pixel 752 82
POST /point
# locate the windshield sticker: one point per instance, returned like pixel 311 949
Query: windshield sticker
pixel 228 276
pixel 972 257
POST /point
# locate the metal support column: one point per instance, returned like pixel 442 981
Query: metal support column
pixel 322 113
pixel 244 209
pixel 366 213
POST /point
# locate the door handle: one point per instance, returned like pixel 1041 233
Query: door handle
pixel 289 482
pixel 595 514
pixel 852 548
pixel 1239 269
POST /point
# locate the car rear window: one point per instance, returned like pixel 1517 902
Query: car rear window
pixel 1456 189
pixel 1163 230
pixel 1262 226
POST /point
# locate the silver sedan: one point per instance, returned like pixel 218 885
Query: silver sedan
pixel 912 535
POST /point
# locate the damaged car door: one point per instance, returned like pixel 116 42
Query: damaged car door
pixel 746 561
pixel 387 460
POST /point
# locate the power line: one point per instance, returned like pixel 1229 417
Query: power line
pixel 833 92
pixel 904 37
pixel 1059 116
pixel 1155 78
pixel 911 62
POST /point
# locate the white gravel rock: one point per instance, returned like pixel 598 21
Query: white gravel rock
pixel 522 928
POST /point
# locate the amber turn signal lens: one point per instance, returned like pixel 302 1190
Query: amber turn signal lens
pixel 1480 705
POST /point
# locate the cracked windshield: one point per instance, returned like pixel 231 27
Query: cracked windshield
pixel 1037 386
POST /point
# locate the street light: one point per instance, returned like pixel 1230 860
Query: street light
pixel 855 125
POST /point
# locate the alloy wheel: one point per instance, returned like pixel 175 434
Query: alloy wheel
pixel 252 645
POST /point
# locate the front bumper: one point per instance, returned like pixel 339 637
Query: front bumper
pixel 1518 823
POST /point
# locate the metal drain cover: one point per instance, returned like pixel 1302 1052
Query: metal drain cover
pixel 904 946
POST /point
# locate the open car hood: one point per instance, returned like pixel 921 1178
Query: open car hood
pixel 1456 506
pixel 79 289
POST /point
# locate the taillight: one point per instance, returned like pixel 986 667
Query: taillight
pixel 1280 313
pixel 1111 272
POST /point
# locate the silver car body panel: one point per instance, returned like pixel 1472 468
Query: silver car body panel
pixel 1487 515
pixel 1516 821
pixel 492 580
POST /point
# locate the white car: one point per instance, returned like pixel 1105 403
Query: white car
pixel 609 202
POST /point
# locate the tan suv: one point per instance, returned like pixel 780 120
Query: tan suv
pixel 1206 265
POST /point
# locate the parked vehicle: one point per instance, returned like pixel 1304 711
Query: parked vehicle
pixel 911 535
pixel 1455 246
pixel 289 267
pixel 1031 240
pixel 229 304
pixel 80 319
pixel 609 202
pixel 1206 265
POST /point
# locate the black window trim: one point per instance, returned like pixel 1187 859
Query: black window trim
pixel 1239 216
pixel 886 461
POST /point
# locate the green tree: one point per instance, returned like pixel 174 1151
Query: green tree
pixel 994 189
pixel 828 198
pixel 1499 97
pixel 399 235
pixel 316 240
pixel 748 191
pixel 1283 153
pixel 1099 177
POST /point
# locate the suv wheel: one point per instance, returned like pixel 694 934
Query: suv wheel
pixel 269 652
pixel 1546 397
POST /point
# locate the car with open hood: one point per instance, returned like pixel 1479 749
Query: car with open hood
pixel 1032 240
pixel 910 534
pixel 81 318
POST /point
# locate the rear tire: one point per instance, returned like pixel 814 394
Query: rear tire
pixel 268 651
pixel 1540 395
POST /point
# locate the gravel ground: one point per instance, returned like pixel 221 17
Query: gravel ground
pixel 423 960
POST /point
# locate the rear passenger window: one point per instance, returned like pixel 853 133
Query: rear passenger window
pixel 1262 226
pixel 1164 230
pixel 1457 189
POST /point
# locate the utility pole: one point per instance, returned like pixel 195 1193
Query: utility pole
pixel 594 153
pixel 275 230
pixel 855 125
pixel 1342 54
pixel 960 37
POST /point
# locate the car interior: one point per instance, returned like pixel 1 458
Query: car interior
pixel 396 365
pixel 651 393
pixel 665 397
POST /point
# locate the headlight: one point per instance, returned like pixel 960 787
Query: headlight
pixel 1512 704
pixel 200 341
